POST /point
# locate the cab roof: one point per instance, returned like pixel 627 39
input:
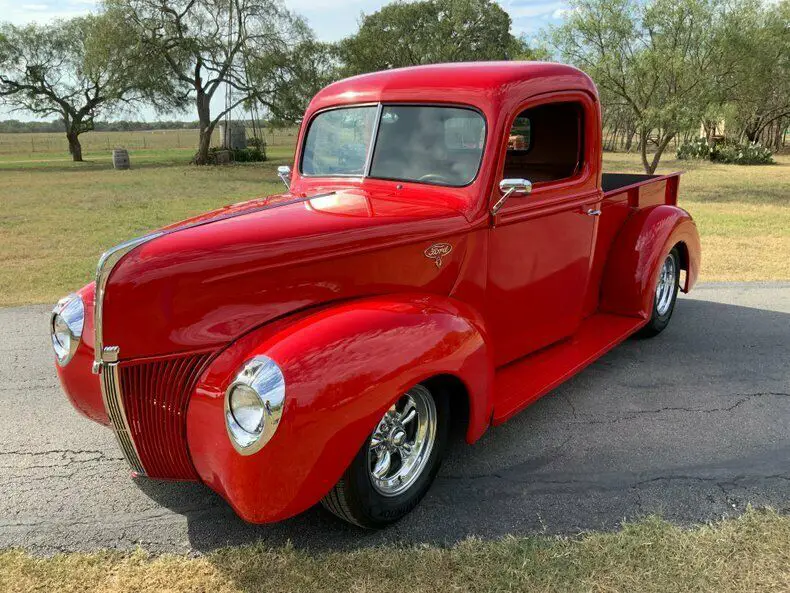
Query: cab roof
pixel 479 84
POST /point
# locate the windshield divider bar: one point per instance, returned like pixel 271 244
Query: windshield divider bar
pixel 373 137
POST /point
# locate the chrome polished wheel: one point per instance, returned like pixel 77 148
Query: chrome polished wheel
pixel 665 288
pixel 402 442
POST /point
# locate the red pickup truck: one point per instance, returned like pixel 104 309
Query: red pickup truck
pixel 447 252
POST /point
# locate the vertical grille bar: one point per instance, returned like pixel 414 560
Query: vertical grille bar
pixel 113 403
pixel 157 395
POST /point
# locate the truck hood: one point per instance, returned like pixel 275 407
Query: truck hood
pixel 207 280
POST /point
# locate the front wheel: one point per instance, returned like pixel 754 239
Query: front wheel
pixel 666 295
pixel 397 464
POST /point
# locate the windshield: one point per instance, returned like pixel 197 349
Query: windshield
pixel 428 144
pixel 337 142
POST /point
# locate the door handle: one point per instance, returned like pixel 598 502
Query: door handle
pixel 593 212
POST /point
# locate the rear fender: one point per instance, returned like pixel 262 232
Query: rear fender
pixel 344 367
pixel 637 254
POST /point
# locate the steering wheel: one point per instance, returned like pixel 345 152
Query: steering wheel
pixel 437 178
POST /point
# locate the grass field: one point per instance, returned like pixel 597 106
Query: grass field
pixel 56 216
pixel 18 148
pixel 748 554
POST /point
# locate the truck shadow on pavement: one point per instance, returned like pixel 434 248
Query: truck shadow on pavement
pixel 691 425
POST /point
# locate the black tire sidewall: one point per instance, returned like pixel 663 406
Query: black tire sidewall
pixel 373 509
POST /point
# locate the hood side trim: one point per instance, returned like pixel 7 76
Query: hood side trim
pixel 108 260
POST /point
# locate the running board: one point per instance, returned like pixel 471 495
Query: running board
pixel 522 382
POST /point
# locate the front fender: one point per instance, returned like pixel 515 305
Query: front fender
pixel 344 366
pixel 637 253
pixel 79 382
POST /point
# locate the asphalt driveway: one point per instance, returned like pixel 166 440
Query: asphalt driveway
pixel 693 425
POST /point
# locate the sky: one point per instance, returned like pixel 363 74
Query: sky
pixel 330 19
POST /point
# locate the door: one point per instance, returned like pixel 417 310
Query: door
pixel 540 245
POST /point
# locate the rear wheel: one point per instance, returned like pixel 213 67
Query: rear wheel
pixel 666 295
pixel 397 464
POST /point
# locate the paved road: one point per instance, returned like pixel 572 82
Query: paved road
pixel 693 425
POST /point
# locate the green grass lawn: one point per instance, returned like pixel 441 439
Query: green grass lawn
pixel 750 554
pixel 56 217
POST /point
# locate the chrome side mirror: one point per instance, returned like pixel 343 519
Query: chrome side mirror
pixel 284 173
pixel 511 187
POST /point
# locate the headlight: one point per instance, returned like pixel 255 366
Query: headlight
pixel 65 327
pixel 254 404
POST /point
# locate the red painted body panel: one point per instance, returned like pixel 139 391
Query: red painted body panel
pixel 331 281
pixel 535 295
pixel 344 367
pixel 614 212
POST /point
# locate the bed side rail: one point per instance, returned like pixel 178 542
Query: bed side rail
pixel 643 190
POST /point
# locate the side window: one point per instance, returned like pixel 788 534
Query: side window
pixel 545 143
pixel 520 134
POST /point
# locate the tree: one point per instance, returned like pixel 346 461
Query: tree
pixel 756 46
pixel 428 32
pixel 75 70
pixel 208 45
pixel 285 81
pixel 660 59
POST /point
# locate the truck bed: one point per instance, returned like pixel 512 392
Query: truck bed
pixel 614 181
pixel 641 190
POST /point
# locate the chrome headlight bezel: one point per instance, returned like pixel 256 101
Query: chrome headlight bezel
pixel 65 327
pixel 264 378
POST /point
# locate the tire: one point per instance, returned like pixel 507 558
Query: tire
pixel 373 502
pixel 665 297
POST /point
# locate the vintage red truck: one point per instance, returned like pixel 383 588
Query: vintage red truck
pixel 447 252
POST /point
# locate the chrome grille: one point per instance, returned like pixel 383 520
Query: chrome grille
pixel 156 394
pixel 113 403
